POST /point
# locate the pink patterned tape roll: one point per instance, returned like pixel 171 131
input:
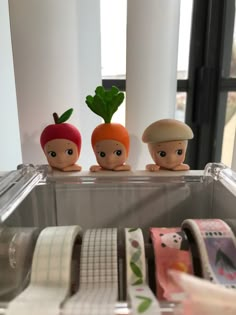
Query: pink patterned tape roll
pixel 202 297
pixel 216 245
pixel 171 252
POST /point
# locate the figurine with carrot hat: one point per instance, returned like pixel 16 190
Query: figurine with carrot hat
pixel 61 143
pixel 167 141
pixel 110 141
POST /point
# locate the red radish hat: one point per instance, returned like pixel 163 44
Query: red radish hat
pixel 61 130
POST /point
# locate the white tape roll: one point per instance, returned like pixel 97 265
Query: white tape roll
pixel 51 273
pixel 98 290
pixel 140 296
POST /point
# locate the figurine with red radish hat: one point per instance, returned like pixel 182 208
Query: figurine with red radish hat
pixel 61 143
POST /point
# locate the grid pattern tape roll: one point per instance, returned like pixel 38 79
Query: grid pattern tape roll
pixel 98 290
pixel 51 273
pixel 217 249
pixel 140 296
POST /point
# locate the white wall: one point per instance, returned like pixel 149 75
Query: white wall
pixel 10 155
pixel 56 47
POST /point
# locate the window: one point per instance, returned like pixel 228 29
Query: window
pixel 113 39
pixel 206 78
pixel 229 130
pixel 229 74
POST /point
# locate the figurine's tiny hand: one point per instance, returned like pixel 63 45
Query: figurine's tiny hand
pixel 152 167
pixel 71 168
pixel 95 168
pixel 124 167
pixel 181 167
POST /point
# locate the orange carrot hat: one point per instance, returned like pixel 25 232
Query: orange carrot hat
pixel 105 104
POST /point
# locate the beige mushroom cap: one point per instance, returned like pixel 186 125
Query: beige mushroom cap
pixel 167 130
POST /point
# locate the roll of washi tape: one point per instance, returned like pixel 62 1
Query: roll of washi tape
pixel 16 252
pixel 50 281
pixel 140 296
pixel 98 291
pixel 216 246
pixel 171 250
pixel 202 296
pixel 232 224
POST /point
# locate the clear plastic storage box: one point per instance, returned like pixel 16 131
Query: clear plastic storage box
pixel 34 196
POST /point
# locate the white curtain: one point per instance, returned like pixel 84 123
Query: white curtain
pixel 151 76
pixel 234 154
pixel 56 48
pixel 10 155
pixel 57 62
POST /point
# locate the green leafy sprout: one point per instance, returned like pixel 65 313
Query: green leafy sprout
pixel 105 102
pixel 64 117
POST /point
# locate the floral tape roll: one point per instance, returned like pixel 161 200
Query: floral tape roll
pixel 171 250
pixel 50 281
pixel 216 246
pixel 98 291
pixel 140 296
pixel 16 252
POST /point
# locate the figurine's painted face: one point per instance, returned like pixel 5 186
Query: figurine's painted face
pixel 110 154
pixel 168 154
pixel 61 153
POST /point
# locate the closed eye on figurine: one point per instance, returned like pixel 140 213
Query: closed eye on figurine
pixel 52 154
pixel 102 154
pixel 161 153
pixel 179 152
pixel 117 152
pixel 69 151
